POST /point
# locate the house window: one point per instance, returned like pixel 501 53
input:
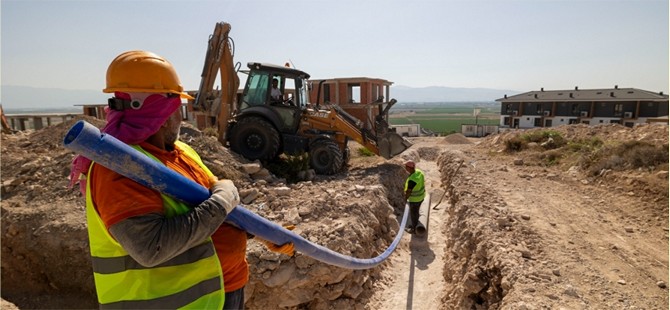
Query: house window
pixel 326 93
pixel 538 108
pixel 618 109
pixel 354 92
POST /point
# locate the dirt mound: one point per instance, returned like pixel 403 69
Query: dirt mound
pixel 652 133
pixel 457 138
pixel 521 235
pixel 44 237
pixel 45 250
pixel 606 155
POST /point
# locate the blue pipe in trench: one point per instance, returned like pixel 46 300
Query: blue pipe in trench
pixel 104 149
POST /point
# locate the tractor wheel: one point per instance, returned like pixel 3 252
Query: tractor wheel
pixel 254 138
pixel 325 157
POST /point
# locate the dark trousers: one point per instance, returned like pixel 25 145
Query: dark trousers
pixel 234 300
pixel 414 213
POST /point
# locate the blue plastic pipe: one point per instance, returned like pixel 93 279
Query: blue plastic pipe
pixel 87 140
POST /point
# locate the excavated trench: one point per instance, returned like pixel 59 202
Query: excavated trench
pixel 481 262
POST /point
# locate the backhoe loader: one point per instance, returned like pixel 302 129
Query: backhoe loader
pixel 258 125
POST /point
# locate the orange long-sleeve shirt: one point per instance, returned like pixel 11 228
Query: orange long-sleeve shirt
pixel 117 198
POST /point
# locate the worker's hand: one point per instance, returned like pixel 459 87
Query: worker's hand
pixel 225 194
pixel 286 248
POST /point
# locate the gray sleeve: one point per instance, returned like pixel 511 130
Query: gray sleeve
pixel 152 239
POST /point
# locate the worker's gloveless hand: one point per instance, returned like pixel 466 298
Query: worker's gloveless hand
pixel 225 194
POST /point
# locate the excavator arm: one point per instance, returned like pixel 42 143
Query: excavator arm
pixel 338 122
pixel 330 121
pixel 219 104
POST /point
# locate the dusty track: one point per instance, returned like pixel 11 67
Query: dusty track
pixel 529 237
pixel 414 278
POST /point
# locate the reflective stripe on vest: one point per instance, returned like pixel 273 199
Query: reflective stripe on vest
pixel 419 190
pixel 192 279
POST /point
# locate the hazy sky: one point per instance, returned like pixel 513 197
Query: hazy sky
pixel 503 44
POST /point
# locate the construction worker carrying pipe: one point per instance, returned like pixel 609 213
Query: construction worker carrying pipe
pixel 150 250
pixel 415 192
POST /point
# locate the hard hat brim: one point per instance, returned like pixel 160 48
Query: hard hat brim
pixel 146 90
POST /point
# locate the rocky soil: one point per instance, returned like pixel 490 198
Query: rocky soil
pixel 510 231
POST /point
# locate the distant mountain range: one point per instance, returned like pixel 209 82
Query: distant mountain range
pixel 32 98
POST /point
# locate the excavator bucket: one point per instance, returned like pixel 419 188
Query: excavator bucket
pixel 391 144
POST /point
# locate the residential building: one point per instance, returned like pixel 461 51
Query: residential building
pixel 548 108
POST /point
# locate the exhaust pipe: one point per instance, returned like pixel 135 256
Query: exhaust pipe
pixel 86 139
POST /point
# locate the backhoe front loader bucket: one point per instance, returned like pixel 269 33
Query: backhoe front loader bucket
pixel 391 144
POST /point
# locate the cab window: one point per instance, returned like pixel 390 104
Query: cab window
pixel 257 89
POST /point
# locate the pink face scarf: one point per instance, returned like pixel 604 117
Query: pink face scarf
pixel 131 126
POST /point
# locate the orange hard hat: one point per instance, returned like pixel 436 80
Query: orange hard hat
pixel 143 72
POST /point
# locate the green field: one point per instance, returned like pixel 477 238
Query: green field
pixel 456 110
pixel 445 119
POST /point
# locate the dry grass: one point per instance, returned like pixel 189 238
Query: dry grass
pixel 591 154
pixel 626 156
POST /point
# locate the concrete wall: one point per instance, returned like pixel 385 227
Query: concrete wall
pixel 409 130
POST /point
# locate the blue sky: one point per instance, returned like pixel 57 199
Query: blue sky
pixel 503 44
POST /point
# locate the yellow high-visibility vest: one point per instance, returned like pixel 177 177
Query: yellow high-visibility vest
pixel 191 280
pixel 419 190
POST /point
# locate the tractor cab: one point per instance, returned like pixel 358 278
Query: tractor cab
pixel 277 93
